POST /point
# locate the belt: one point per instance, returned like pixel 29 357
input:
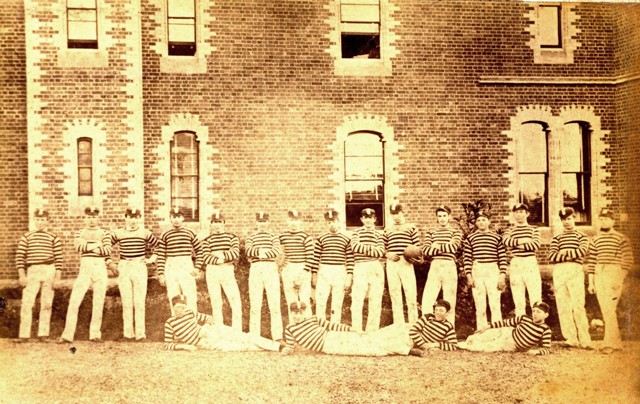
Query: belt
pixel 48 262
pixel 132 258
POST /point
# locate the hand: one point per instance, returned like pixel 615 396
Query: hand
pixel 482 329
pixel 195 273
pixel 56 280
pixel 470 281
pixel 591 288
pixel 219 255
pixel 262 254
pixel 533 352
pixel 502 282
pixel 187 347
pixel 297 284
pixel 348 282
pixel 432 346
pixel 152 259
pixel 161 280
pixel 393 256
pixel 113 268
pixel 524 240
pixel 209 321
pixel 22 281
pixel 314 279
pixel 287 350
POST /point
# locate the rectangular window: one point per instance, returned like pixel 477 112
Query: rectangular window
pixel 185 177
pixel 533 172
pixel 82 24
pixel 364 176
pixel 576 171
pixel 550 26
pixel 181 27
pixel 360 29
pixel 85 167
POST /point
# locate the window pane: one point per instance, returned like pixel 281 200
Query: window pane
pixel 572 146
pixel 83 30
pixel 360 13
pixel 182 187
pixel 532 192
pixel 549 28
pixel 575 194
pixel 84 174
pixel 358 168
pixel 532 149
pixel 363 144
pixel 85 188
pixel 81 3
pixel 184 142
pixel 182 8
pixel 84 160
pixel 189 206
pixel 354 210
pixel 182 33
pixel 82 15
pixel 364 191
pixel 185 164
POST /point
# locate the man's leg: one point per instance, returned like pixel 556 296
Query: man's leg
pixel 432 287
pixel 517 286
pixel 561 276
pixel 608 283
pixel 305 290
pixel 395 290
pixel 125 284
pixel 29 294
pixel 408 281
pixel 493 293
pixel 479 292
pixel 533 281
pixel 450 288
pixel 230 287
pixel 46 300
pixel 575 287
pixel 376 279
pixel 492 340
pixel 140 278
pixel 187 283
pixel 215 294
pixel 358 293
pixel 272 286
pixel 323 287
pixel 256 291
pixel 288 280
pixel 99 279
pixel 339 277
pixel 80 287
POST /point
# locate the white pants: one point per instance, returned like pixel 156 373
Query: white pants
pixel 220 337
pixel 492 340
pixel 39 278
pixel 524 275
pixel 568 285
pixel 263 276
pixel 485 278
pixel 368 280
pixel 390 340
pixel 442 275
pixel 608 281
pixel 291 273
pixel 222 277
pixel 331 280
pixel 177 275
pixel 132 282
pixel 400 275
pixel 93 272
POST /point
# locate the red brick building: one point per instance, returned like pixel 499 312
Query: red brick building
pixel 272 104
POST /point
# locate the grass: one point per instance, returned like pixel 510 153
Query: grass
pixel 142 372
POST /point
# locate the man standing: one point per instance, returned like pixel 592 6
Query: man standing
pixel 176 250
pixel 134 241
pixel 262 248
pixel 524 273
pixel 485 264
pixel 610 259
pixel 39 264
pixel 332 271
pixel 219 252
pixel 298 253
pixel 441 245
pixel 368 275
pixel 400 272
pixel 94 246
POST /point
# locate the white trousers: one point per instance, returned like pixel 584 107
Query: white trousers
pixel 568 285
pixel 400 275
pixel 220 337
pixel 442 275
pixel 93 273
pixel 222 278
pixel 524 276
pixel 609 280
pixel 40 278
pixel 492 340
pixel 368 280
pixel 485 277
pixel 179 281
pixel 291 273
pixel 264 277
pixel 132 282
pixel 331 280
pixel 391 340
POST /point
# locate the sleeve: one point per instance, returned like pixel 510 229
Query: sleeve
pixel 289 339
pixel 508 240
pixel 197 250
pixel 593 257
pixel 201 318
pixel 162 254
pixel 308 253
pixel 415 237
pixel 554 251
pixel 534 245
pixel 276 247
pixel 251 251
pixel 152 242
pixel 450 341
pixel 426 248
pixel 106 248
pixel 169 341
pixel 468 256
pixel 233 252
pixel 349 257
pixel 317 253
pixel 57 253
pixel 329 326
pixel 357 246
pixel 627 253
pixel 583 247
pixel 379 249
pixel 512 322
pixel 385 240
pixel 21 254
pixel 79 243
pixel 415 332
pixel 502 256
pixel 207 258
pixel 454 243
pixel 545 342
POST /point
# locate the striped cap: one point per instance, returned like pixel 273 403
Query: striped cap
pixel 542 306
pixel 483 213
pixel 298 306
pixel 178 299
pixel 294 214
pixel 443 208
pixel 132 212
pixel 216 217
pixel 41 213
pixel 605 212
pixel 520 206
pixel 91 211
pixel 331 214
pixel 395 208
pixel 176 211
pixel 262 216
pixel 565 213
pixel 368 212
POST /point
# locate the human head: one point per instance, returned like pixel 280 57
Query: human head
pixel 41 219
pixel 131 217
pixel 91 216
pixel 368 217
pixel 262 220
pixel 567 215
pixel 397 213
pixel 607 219
pixel 331 219
pixel 539 312
pixel 520 212
pixel 177 217
pixel 441 308
pixel 217 222
pixel 294 220
pixel 297 310
pixel 483 220
pixel 179 303
pixel 443 214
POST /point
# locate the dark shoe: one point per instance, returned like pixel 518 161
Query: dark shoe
pixel 566 344
pixel 126 339
pixel 606 350
pixel 23 340
pixel 63 341
pixel 45 340
pixel 97 340
pixel 415 352
pixel 588 347
pixel 143 339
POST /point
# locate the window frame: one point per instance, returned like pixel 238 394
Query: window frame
pixel 83 166
pixel 172 175
pixel 586 170
pixel 363 33
pixel 546 174
pixel 81 43
pixel 559 32
pixel 182 45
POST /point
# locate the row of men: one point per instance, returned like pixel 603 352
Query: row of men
pixel 333 264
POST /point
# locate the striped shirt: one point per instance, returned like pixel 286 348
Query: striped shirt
pixel 429 330
pixel 267 242
pixel 89 239
pixel 519 249
pixel 569 246
pixel 610 248
pixel 311 333
pixel 133 243
pixel 298 248
pixel 39 247
pixel 367 245
pixel 442 243
pixel 183 330
pixel 397 238
pixel 484 247
pixel 225 243
pixel 528 334
pixel 333 249
pixel 178 242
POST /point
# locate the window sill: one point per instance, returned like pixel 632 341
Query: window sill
pixel 183 64
pixel 362 67
pixel 83 58
pixel 553 56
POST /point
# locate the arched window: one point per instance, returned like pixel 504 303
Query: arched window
pixel 364 176
pixel 85 167
pixel 185 178
pixel 533 171
pixel 576 170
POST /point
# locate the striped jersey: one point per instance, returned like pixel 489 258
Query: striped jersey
pixel 88 240
pixel 177 242
pixel 311 333
pixel 333 249
pixel 442 243
pixel 268 242
pixel 183 330
pixel 397 238
pixel 133 243
pixel 427 330
pixel 518 249
pixel 484 247
pixel 225 243
pixel 528 334
pixel 39 247
pixel 610 248
pixel 569 246
pixel 367 245
pixel 298 248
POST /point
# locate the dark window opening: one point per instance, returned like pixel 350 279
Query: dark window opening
pixel 360 46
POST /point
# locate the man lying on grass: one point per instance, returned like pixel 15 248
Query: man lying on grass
pixel 433 331
pixel 523 333
pixel 188 331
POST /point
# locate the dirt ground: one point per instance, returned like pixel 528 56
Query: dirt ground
pixel 142 372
